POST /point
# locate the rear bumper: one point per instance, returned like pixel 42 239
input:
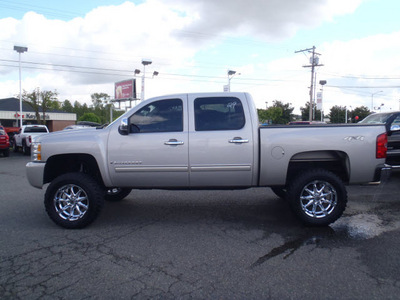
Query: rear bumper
pixel 34 173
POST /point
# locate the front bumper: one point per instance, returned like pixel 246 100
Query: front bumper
pixel 35 173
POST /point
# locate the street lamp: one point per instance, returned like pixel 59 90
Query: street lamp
pixel 145 62
pixel 372 99
pixel 322 83
pixel 231 73
pixel 20 50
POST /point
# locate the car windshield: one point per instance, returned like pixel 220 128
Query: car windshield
pixel 35 129
pixel 376 119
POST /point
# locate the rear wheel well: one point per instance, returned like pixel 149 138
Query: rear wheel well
pixel 68 163
pixel 334 161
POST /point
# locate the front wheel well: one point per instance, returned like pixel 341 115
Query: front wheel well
pixel 67 163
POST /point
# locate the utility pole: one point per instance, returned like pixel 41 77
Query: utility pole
pixel 314 62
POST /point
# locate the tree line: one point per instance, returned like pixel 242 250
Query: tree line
pixel 101 108
pixel 280 113
pixel 44 101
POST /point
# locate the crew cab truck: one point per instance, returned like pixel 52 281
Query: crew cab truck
pixel 23 139
pixel 204 141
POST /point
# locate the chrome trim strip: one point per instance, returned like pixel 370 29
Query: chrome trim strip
pixel 150 169
pixel 220 168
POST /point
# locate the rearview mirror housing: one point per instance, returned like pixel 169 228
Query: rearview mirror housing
pixel 123 128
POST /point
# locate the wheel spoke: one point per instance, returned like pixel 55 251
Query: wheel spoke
pixel 318 199
pixel 71 202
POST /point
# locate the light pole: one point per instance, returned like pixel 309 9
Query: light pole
pixel 372 99
pixel 231 73
pixel 145 62
pixel 20 50
pixel 322 83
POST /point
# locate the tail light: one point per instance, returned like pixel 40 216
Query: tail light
pixel 381 145
pixel 30 139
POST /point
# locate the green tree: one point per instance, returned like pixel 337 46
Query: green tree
pixel 41 102
pixel 286 115
pixel 305 112
pixel 101 105
pixel 270 115
pixel 337 114
pixel 360 112
pixel 80 109
pixel 48 99
pixel 91 117
pixel 67 106
pixel 32 99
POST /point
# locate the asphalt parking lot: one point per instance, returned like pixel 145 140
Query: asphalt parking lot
pixel 198 245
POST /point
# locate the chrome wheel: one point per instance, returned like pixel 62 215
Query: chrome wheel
pixel 71 202
pixel 318 199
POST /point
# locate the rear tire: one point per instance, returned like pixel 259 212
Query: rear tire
pixel 74 200
pixel 317 197
pixel 6 153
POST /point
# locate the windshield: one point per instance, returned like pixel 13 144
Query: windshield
pixel 376 119
pixel 35 129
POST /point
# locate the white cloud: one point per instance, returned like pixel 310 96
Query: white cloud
pixel 173 33
pixel 272 19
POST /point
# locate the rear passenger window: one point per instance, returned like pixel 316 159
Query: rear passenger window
pixel 159 116
pixel 218 113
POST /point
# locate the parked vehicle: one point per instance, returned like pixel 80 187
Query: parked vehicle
pixel 23 139
pixel 204 141
pixel 4 142
pixel 392 122
pixel 83 125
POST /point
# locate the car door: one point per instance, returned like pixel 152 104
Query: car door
pixel 221 142
pixel 155 151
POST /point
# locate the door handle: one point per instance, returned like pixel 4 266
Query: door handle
pixel 173 142
pixel 238 140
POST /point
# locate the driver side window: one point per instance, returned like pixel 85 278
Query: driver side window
pixel 159 116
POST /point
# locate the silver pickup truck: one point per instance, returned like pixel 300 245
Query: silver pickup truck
pixel 205 140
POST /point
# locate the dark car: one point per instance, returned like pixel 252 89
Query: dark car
pixel 392 122
pixel 4 142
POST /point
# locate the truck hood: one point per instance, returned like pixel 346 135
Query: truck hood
pixel 75 135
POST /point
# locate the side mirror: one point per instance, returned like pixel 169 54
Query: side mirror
pixel 124 127
pixel 395 128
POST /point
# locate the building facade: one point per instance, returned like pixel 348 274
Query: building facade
pixel 10 112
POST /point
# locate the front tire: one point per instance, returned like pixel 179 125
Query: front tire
pixel 15 147
pixel 74 200
pixel 317 197
pixel 25 149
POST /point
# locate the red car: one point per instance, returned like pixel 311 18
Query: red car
pixel 4 142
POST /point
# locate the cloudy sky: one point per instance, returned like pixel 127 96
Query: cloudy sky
pixel 83 47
